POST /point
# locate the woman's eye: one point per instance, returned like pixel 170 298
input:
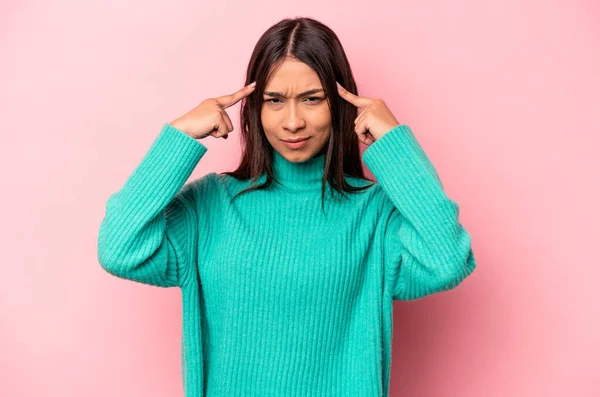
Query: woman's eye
pixel 315 99
pixel 312 100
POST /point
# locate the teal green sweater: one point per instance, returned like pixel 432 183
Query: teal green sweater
pixel 280 298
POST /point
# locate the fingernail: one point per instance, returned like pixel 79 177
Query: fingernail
pixel 252 85
pixel 338 84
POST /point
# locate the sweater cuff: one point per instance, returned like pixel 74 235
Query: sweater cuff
pixel 404 171
pixel 167 165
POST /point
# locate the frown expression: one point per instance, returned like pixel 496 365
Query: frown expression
pixel 295 106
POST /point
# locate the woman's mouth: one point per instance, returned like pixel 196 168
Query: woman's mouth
pixel 296 145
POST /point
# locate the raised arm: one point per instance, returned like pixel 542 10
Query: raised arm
pixel 426 249
pixel 149 233
pixel 153 225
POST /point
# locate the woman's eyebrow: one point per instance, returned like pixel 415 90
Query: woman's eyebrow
pixel 280 95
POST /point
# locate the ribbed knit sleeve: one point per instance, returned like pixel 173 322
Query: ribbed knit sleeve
pixel 149 230
pixel 426 248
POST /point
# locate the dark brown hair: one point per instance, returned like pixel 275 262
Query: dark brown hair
pixel 311 42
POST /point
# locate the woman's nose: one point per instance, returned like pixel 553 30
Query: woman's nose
pixel 293 118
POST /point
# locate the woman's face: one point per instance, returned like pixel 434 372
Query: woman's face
pixel 294 107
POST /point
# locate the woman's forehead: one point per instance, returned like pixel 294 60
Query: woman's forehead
pixel 293 77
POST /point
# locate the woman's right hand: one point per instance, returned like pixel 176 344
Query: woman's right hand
pixel 210 117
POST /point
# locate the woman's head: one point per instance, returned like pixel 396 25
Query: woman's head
pixel 294 106
pixel 290 58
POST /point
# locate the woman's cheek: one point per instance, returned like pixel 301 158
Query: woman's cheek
pixel 267 119
pixel 322 120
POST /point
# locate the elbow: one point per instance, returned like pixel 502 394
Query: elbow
pixel 111 256
pixel 108 261
pixel 456 273
pixel 432 282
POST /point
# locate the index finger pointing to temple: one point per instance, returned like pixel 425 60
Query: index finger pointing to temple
pixel 230 100
pixel 358 101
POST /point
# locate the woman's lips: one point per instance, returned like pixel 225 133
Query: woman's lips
pixel 296 145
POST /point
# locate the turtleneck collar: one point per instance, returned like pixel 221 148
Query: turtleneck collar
pixel 306 175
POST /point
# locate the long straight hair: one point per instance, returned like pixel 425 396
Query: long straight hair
pixel 311 42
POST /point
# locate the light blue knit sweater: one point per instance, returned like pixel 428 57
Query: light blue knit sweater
pixel 279 298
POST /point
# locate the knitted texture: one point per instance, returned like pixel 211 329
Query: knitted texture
pixel 280 298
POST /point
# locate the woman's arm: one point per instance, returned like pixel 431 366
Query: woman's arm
pixel 150 231
pixel 426 249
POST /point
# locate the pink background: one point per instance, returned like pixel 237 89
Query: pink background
pixel 502 95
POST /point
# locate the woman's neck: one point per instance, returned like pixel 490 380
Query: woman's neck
pixel 305 175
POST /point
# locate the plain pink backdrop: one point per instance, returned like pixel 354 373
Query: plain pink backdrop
pixel 502 95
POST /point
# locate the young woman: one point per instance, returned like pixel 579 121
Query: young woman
pixel 288 265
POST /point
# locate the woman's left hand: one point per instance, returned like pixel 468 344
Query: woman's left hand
pixel 374 121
